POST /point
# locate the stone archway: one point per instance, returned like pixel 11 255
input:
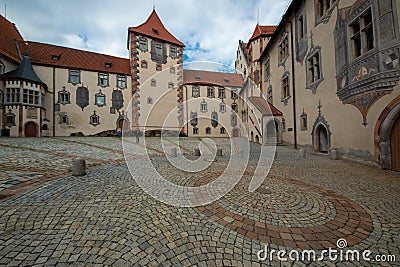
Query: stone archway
pixel 272 131
pixel 31 129
pixel 322 143
pixel 387 136
pixel 235 132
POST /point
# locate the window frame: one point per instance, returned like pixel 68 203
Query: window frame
pixel 61 96
pixel 221 93
pixel 121 81
pixel 267 69
pixel 283 49
pixel 195 91
pixel 210 92
pixel 360 35
pixel 173 51
pixel 143 44
pixel 102 76
pixel 208 130
pixel 76 74
pixel 285 87
pixel 203 106
pixel 92 117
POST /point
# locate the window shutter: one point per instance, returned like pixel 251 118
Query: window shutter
pixel 82 97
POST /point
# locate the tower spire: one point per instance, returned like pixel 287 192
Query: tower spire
pixel 154 6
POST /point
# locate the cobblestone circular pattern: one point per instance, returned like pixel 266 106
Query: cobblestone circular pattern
pixel 341 216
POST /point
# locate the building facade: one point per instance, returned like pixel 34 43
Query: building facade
pixel 332 69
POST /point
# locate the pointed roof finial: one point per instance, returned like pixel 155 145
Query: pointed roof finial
pixel 258 16
pixel 154 6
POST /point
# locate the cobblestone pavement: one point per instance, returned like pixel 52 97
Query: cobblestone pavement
pixel 48 217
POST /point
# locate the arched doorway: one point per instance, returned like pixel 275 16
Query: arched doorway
pixel 30 129
pixel 395 145
pixel 322 139
pixel 235 132
pixel 257 139
pixel 272 132
pixel 252 137
pixel 123 124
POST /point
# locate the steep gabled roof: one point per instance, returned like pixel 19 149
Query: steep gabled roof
pixel 201 77
pixel 9 34
pixel 154 28
pixel 64 57
pixel 264 107
pixel 261 31
pixel 24 72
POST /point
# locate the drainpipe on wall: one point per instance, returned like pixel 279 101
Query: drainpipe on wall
pixel 294 83
pixel 54 101
pixel 187 111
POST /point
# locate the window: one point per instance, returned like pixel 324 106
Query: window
pixel 173 51
pixel 267 69
pixel 64 96
pixel 121 81
pixel 195 130
pixel 30 97
pixel 74 76
pixel 107 65
pixel 12 95
pixel 158 53
pixel 301 29
pixel 303 121
pixel 9 119
pixel 322 7
pixel 82 97
pixel 172 70
pixel 234 95
pixel 149 100
pixel 195 91
pixel 203 106
pixel 143 44
pixel 103 79
pixel 170 85
pixel 362 34
pixel 314 68
pixel 270 98
pixel 210 92
pixel 234 107
pixel 222 107
pixel 283 49
pixel 208 130
pixel 143 64
pixel 221 93
pixel 153 83
pixel 222 130
pixel 283 125
pixel 63 118
pixel 256 76
pixel 94 119
pixel 117 99
pixel 158 67
pixel 100 99
pixel 285 87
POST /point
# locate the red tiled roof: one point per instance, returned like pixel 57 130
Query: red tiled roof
pixel 201 77
pixel 9 34
pixel 43 54
pixel 153 27
pixel 264 107
pixel 262 31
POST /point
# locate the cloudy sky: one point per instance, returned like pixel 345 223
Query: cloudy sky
pixel 210 29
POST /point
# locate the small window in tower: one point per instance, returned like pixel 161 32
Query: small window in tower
pixel 153 83
pixel 143 64
pixel 155 31
pixel 208 130
pixel 158 67
pixel 108 65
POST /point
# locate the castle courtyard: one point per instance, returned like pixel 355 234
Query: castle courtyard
pixel 49 217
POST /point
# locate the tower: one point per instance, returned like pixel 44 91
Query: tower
pixel 156 58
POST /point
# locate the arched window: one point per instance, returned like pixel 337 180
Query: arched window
pixel 234 107
pixel 203 106
pixel 208 130
pixel 94 119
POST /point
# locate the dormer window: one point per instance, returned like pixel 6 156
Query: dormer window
pixel 155 31
pixel 198 79
pixel 55 57
pixel 108 65
pixel 226 80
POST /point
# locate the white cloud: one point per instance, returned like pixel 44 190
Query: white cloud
pixel 210 29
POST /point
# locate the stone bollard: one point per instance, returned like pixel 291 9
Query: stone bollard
pixel 78 167
pixel 219 152
pixel 174 152
pixel 197 152
pixel 334 154
pixel 302 153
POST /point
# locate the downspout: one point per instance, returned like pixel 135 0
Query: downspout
pixel 187 111
pixel 54 101
pixel 294 84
